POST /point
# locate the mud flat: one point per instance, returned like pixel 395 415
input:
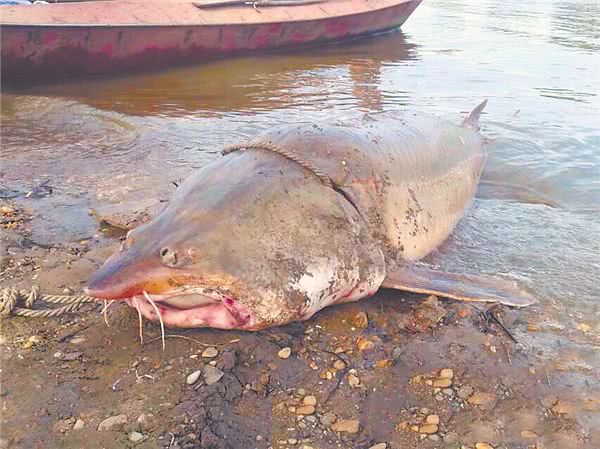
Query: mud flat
pixel 395 371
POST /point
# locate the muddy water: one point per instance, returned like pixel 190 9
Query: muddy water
pixel 122 144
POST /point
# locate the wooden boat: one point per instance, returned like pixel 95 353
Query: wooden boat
pixel 43 42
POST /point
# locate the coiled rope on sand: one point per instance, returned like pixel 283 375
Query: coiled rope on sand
pixel 11 298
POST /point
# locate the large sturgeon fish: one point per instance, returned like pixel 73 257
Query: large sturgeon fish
pixel 304 217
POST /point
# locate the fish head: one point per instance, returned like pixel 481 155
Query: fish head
pixel 249 241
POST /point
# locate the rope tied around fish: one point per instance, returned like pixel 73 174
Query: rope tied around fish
pixel 268 146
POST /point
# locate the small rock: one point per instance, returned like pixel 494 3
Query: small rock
pixel 305 410
pixel 403 425
pixel 434 437
pixel 397 353
pixel 447 373
pixel 27 345
pixel 58 355
pixel 210 353
pixel 353 380
pixel 292 441
pixel 301 391
pixel 482 398
pixel 193 377
pixel 451 437
pixel 379 446
pixel 528 434
pixel 339 365
pixel 35 339
pixel 112 422
pixel 147 422
pixel 563 408
pixel 483 446
pixel 309 400
pixel 448 391
pixel 135 437
pixel 284 353
pixel 432 419
pixel 442 383
pixel 465 392
pixel 328 419
pixel 364 344
pixel 212 375
pixel 428 428
pixel 424 410
pixel 79 424
pixel 259 438
pixel 360 320
pixel 346 425
pixel 77 340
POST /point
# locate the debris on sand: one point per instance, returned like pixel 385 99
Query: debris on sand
pixel 112 422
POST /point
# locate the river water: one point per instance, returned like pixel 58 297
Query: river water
pixel 124 140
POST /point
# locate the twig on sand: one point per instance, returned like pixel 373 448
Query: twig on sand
pixel 491 313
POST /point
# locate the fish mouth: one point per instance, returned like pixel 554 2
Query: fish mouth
pixel 194 307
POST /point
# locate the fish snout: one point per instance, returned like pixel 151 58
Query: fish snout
pixel 123 276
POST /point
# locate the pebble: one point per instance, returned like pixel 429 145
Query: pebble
pixel 79 424
pixel 483 446
pixel 442 383
pixel 397 353
pixel 147 422
pixel 482 398
pixel 451 437
pixel 528 434
pixel 210 353
pixel 353 380
pixel 465 392
pixel 135 437
pixel 212 375
pixel 284 353
pixel 328 419
pixel 339 365
pixel 360 320
pixel 77 340
pixel 193 377
pixel 309 400
pixel 447 373
pixel 292 441
pixel 58 355
pixel 346 425
pixel 448 391
pixel 301 391
pixel 112 421
pixel 35 339
pixel 432 419
pixel 428 428
pixel 305 410
pixel 364 344
pixel 434 437
pixel 379 446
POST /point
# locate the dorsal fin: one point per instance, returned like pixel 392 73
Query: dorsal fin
pixel 472 120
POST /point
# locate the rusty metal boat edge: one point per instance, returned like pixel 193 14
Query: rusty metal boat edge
pixel 41 43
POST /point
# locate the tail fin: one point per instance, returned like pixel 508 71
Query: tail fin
pixel 472 121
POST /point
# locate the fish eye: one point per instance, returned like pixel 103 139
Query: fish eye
pixel 168 256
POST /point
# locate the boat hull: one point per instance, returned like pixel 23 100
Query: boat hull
pixel 34 53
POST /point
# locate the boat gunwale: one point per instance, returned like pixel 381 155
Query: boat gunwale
pixel 224 24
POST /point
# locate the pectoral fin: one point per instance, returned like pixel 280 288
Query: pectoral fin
pixel 462 287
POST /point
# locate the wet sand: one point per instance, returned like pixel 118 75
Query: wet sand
pixel 357 375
